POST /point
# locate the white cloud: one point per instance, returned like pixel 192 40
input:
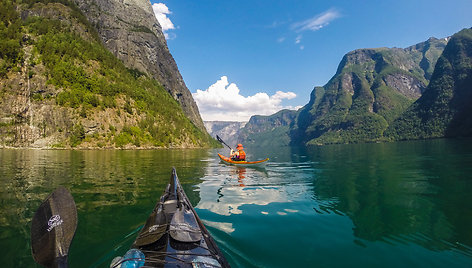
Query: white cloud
pixel 314 24
pixel 161 11
pixel 222 101
pixel 317 22
pixel 284 95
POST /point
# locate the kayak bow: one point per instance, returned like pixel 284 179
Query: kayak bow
pixel 173 236
pixel 228 160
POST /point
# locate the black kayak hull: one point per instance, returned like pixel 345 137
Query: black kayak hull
pixel 174 235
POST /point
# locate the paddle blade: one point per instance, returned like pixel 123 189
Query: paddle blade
pixel 184 227
pixel 53 227
pixel 220 140
pixel 153 230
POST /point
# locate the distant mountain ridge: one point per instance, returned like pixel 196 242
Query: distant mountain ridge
pixel 229 131
pixel 259 131
pixel 268 130
pixel 385 94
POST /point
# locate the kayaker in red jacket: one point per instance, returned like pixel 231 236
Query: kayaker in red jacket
pixel 238 155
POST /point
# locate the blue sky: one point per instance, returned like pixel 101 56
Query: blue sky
pixel 257 57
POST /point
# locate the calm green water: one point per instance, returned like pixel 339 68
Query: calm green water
pixel 405 204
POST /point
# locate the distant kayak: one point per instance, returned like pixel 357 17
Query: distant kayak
pixel 242 163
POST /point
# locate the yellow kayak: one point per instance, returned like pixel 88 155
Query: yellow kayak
pixel 241 163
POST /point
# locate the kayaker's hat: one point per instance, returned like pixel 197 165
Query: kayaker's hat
pixel 240 146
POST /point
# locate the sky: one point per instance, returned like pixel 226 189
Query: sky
pixel 240 58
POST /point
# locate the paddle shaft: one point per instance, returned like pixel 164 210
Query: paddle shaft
pixel 61 262
pixel 220 140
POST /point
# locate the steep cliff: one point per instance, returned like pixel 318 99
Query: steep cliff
pixel 370 89
pixel 129 29
pixel 444 109
pixel 272 130
pixel 227 130
pixel 60 87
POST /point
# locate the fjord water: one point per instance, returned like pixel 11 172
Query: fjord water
pixel 405 204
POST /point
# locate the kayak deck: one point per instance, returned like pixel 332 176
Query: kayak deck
pixel 242 163
pixel 174 235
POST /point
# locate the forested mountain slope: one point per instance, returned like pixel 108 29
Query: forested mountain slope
pixel 445 108
pixel 371 88
pixel 60 87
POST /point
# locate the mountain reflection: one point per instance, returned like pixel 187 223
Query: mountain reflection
pixel 98 178
pixel 364 200
pixel 400 193
pixel 107 186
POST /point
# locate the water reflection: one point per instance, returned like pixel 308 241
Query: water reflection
pixel 225 188
pixel 376 198
pixel 374 204
pixel 227 191
pixel 114 192
pixel 241 171
pixel 411 192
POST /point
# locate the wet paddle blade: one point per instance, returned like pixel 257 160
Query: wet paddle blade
pixel 184 226
pixel 153 230
pixel 53 228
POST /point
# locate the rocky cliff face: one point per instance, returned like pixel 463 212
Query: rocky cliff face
pixel 444 109
pixel 228 131
pixel 28 123
pixel 370 89
pixel 261 123
pixel 61 88
pixel 404 70
pixel 129 29
pixel 272 130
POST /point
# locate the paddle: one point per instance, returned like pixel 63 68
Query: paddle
pixel 183 225
pixel 52 229
pixel 154 228
pixel 220 140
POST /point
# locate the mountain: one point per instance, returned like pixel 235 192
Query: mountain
pixel 61 87
pixel 371 88
pixel 444 109
pixel 130 30
pixel 226 130
pixel 272 130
